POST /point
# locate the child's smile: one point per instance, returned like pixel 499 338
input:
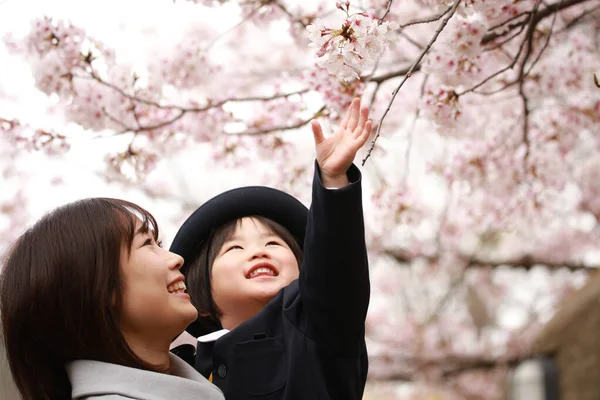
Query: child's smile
pixel 251 267
pixel 262 269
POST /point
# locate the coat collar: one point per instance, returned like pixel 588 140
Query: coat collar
pixel 96 378
pixel 213 336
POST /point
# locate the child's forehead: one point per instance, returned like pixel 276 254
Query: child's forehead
pixel 253 224
pixel 255 221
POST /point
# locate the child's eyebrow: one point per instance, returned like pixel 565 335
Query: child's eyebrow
pixel 263 235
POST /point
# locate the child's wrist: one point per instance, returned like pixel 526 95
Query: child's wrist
pixel 334 181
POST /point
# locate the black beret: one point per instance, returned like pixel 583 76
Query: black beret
pixel 238 203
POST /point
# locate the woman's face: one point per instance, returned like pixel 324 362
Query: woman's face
pixel 154 298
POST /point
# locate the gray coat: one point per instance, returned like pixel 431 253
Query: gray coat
pixel 100 380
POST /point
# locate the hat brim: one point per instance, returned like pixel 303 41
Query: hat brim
pixel 234 204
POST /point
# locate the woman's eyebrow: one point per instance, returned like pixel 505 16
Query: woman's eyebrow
pixel 143 229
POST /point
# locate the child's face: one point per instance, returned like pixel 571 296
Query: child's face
pixel 153 297
pixel 251 268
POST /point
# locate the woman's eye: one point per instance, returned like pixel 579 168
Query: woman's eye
pixel 151 241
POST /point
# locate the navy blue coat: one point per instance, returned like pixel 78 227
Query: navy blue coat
pixel 308 343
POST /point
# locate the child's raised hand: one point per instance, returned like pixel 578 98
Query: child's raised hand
pixel 336 153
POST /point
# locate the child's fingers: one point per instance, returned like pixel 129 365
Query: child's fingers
pixel 364 116
pixel 344 122
pixel 354 114
pixel 317 131
pixel 366 132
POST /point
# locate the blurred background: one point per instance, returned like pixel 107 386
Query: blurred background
pixel 480 182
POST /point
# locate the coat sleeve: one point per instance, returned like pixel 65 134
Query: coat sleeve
pixel 334 276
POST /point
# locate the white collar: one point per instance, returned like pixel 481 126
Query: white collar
pixel 213 336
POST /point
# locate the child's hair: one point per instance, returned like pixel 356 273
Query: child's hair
pixel 61 294
pixel 199 269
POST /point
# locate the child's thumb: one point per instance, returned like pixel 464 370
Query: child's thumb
pixel 317 131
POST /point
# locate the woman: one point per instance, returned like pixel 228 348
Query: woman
pixel 90 302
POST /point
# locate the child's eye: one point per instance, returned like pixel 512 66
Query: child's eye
pixel 272 242
pixel 235 247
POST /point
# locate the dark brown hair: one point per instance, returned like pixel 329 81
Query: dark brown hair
pixel 61 294
pixel 198 272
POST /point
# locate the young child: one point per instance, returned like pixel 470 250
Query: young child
pixel 282 292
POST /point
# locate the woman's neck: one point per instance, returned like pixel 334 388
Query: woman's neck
pixel 150 350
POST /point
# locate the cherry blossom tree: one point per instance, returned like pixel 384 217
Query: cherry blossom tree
pixel 481 201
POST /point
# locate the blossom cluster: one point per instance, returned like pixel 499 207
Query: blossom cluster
pixel 357 44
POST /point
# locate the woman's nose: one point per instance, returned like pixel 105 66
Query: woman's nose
pixel 175 261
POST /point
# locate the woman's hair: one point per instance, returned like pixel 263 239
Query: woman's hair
pixel 61 293
pixel 198 272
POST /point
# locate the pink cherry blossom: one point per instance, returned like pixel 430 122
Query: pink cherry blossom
pixel 481 187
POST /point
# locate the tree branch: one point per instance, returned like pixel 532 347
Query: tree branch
pixel 526 261
pixel 537 17
pixel 281 128
pixel 449 366
pixel 387 10
pixel 521 80
pixel 492 36
pixel 581 16
pixel 410 71
pixel 209 106
pixel 426 20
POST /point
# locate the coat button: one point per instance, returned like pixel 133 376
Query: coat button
pixel 222 371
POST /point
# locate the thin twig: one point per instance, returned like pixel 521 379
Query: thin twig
pixel 475 261
pixel 546 12
pixel 218 104
pixel 503 42
pixel 231 29
pixel 500 71
pixel 545 45
pixel 377 87
pixel 426 20
pixel 580 17
pixel 394 74
pixel 521 80
pixel 409 73
pixel 283 127
pixel 118 122
pixel 491 36
pixel 411 40
pixel 511 19
pixel 527 39
pixel 387 11
pixel 289 14
pixel 412 128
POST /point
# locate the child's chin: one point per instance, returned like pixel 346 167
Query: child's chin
pixel 268 292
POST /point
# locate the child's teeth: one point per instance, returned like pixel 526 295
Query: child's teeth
pixel 261 270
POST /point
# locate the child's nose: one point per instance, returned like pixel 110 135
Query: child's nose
pixel 259 252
